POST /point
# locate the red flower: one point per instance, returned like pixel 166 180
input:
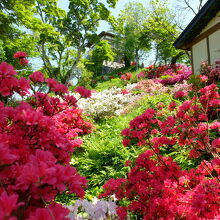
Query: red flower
pixel 126 76
pixel 85 93
pixel 23 61
pixel 122 212
pixel 20 54
pixel 180 94
pixel 56 87
pixel 124 91
pixel 37 77
pixel 8 203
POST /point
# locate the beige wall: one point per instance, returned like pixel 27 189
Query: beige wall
pixel 214 46
pixel 213 22
pixel 200 54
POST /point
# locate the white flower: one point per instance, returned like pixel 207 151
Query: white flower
pixel 106 103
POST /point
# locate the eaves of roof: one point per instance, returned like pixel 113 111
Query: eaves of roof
pixel 199 22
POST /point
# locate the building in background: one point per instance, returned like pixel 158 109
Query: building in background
pixel 202 36
pixel 108 66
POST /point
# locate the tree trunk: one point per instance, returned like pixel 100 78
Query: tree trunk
pixel 127 61
pixel 175 58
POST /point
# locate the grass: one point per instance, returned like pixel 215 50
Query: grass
pixel 102 156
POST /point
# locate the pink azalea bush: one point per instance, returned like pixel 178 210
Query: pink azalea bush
pixel 211 72
pixel 37 139
pixel 166 74
pixel 156 186
pixel 151 87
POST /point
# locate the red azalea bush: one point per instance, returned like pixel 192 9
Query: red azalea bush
pixel 156 187
pixel 85 93
pixel 126 76
pixel 37 139
pixel 21 56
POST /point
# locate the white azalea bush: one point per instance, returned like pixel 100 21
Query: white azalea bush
pixel 95 210
pixel 106 103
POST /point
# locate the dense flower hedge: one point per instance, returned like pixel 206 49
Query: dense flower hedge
pixel 109 102
pixel 37 138
pixel 156 187
pixel 166 74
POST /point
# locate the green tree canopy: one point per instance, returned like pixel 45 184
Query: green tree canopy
pixel 59 37
pixel 101 52
pixel 163 31
pixel 129 41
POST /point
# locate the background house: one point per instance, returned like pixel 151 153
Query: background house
pixel 108 66
pixel 202 36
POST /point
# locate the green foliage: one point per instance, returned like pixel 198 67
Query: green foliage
pixel 86 76
pixel 2 52
pixel 162 29
pixel 102 155
pixel 129 29
pixel 101 52
pixel 165 77
pixel 108 84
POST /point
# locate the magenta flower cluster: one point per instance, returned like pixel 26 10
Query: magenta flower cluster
pixel 37 139
pixel 156 186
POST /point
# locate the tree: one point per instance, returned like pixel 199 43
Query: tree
pixel 60 37
pixel 162 29
pixel 129 41
pixel 12 37
pixel 101 52
pixel 191 5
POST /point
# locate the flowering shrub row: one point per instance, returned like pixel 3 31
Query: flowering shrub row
pixel 156 187
pixel 98 209
pixel 106 103
pixel 37 139
pixel 212 73
pixel 166 74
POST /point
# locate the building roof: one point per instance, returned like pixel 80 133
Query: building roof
pixel 199 22
pixel 104 33
pixel 99 36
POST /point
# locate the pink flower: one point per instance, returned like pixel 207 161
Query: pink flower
pixel 203 78
pixel 37 77
pixel 56 87
pixel 8 203
pixel 180 94
pixel 20 54
pixel 6 70
pixel 124 91
pixel 141 75
pixel 85 93
pixel 23 61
